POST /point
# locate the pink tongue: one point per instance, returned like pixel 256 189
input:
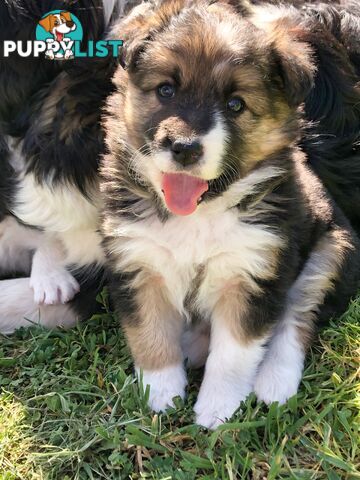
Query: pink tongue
pixel 182 192
pixel 59 36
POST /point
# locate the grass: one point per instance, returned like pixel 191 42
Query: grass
pixel 70 409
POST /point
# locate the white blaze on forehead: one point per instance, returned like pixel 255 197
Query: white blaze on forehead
pixel 214 144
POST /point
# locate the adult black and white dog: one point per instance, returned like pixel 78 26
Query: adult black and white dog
pixel 225 246
pixel 50 143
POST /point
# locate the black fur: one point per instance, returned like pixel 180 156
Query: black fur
pixel 54 107
pixel 311 70
pixel 332 141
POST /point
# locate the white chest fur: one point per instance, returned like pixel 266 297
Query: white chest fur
pixel 219 243
pixel 61 211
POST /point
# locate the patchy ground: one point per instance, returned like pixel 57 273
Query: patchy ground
pixel 70 409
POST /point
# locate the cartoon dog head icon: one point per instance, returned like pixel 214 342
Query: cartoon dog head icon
pixel 58 24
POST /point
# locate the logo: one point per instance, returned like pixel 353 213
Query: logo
pixel 60 30
pixel 59 36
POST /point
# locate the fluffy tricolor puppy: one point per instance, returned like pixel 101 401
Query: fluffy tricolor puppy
pixel 224 246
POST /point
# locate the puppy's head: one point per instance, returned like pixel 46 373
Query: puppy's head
pixel 58 24
pixel 207 95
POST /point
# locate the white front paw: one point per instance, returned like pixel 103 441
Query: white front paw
pixel 57 286
pixel 165 384
pixel 218 403
pixel 276 382
pixel 68 54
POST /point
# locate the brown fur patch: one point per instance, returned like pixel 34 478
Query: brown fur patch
pixel 232 307
pixel 154 335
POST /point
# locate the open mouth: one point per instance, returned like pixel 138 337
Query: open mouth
pixel 59 36
pixel 182 192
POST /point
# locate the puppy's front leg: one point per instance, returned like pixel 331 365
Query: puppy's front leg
pixel 229 373
pixel 153 328
pixel 50 280
pixel 241 322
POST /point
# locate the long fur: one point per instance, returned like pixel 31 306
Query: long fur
pixel 264 255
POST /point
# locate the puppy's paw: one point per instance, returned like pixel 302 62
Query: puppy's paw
pixel 218 399
pixel 216 404
pixel 57 286
pixel 165 384
pixel 276 382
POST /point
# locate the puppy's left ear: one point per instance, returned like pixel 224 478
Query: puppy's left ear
pixel 293 60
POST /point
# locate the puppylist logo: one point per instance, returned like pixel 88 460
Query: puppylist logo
pixel 59 36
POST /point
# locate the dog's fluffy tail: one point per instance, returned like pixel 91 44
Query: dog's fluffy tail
pixel 18 309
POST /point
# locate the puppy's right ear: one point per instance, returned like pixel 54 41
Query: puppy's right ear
pixel 46 23
pixel 291 51
pixel 141 25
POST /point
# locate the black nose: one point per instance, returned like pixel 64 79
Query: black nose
pixel 70 23
pixel 186 152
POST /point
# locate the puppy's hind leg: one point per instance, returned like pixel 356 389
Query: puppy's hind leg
pixel 328 273
pixel 50 280
pixel 18 309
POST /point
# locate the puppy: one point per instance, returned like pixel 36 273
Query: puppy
pixel 59 25
pixel 50 145
pixel 222 242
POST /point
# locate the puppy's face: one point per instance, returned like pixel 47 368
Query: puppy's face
pixel 205 102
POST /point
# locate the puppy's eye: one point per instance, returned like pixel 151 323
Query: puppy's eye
pixel 166 90
pixel 235 105
pixel 56 23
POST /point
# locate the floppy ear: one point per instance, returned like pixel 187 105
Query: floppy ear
pixel 67 16
pixel 141 25
pixel 295 66
pixel 46 23
pixel 292 53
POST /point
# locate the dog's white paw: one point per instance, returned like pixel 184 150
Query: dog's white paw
pixel 165 384
pixel 215 404
pixel 57 286
pixel 277 383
